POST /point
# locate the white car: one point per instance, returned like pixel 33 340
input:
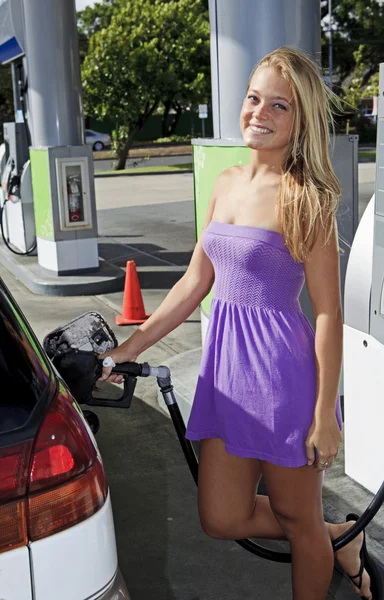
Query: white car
pixel 98 141
pixel 57 538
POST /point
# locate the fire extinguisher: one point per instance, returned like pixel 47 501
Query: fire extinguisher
pixel 74 200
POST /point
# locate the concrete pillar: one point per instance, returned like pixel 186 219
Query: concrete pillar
pixel 244 31
pixel 61 163
pixel 54 85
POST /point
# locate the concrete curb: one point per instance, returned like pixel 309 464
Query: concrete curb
pixel 108 278
pixel 118 174
pixel 145 154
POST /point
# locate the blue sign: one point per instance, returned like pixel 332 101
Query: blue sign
pixel 10 50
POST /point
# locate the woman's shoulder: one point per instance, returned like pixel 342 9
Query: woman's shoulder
pixel 230 175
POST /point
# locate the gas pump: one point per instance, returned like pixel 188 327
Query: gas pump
pixel 364 334
pixel 17 220
pixel 47 197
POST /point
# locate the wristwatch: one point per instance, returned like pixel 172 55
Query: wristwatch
pixel 109 362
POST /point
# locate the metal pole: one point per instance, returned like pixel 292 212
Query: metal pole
pixel 54 85
pixel 330 45
pixel 15 88
pixel 203 127
pixel 244 31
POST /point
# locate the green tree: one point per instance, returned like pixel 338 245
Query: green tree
pixel 372 88
pixel 6 98
pixel 192 70
pixel 91 20
pixel 354 23
pixel 144 53
pixel 94 18
pixel 354 93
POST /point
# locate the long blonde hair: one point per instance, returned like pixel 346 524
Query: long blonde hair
pixel 309 189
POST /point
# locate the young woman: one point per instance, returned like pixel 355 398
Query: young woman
pixel 266 403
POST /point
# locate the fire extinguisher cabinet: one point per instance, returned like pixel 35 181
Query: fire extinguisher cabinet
pixel 73 194
pixel 65 211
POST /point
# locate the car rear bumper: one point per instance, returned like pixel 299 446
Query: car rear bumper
pixel 116 591
pixel 86 550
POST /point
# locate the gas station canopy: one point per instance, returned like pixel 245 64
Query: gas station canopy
pixel 11 31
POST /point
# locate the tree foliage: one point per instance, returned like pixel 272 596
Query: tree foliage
pixel 144 53
pixel 354 93
pixel 355 23
pixel 372 88
pixel 94 18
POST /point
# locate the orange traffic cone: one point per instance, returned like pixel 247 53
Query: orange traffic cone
pixel 133 306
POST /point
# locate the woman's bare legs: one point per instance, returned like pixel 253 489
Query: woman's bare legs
pixel 230 509
pixel 295 497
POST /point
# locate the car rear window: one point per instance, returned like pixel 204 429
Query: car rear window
pixel 24 375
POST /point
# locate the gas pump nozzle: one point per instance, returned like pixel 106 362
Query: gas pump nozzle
pixel 74 350
pixel 81 369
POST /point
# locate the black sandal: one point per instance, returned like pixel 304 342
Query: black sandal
pixel 363 558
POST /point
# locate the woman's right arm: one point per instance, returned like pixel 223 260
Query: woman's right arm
pixel 178 305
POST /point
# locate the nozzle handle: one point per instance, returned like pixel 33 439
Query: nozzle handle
pixel 130 371
pixel 128 368
pixel 141 370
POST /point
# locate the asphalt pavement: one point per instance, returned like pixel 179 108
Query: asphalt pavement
pixel 163 553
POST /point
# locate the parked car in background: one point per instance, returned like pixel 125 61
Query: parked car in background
pixel 98 141
pixel 57 538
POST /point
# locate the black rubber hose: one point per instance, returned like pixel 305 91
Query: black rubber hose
pixel 192 461
pixel 186 445
pixel 363 521
pixel 4 237
pixel 250 545
pixel 189 453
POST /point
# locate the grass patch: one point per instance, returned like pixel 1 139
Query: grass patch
pixel 367 155
pixel 147 151
pixel 159 169
pixel 104 155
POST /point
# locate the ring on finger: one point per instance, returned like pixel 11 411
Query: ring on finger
pixel 324 464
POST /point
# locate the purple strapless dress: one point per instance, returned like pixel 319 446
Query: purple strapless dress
pixel 257 384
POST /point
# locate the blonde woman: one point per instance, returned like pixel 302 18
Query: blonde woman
pixel 266 402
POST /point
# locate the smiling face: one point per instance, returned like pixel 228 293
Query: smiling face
pixel 267 114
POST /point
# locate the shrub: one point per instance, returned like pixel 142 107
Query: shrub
pixel 174 139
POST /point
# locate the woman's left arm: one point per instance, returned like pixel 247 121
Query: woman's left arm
pixel 322 273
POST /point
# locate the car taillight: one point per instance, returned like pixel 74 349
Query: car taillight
pixel 53 511
pixel 14 464
pixel 13 530
pixel 63 449
pixel 54 483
